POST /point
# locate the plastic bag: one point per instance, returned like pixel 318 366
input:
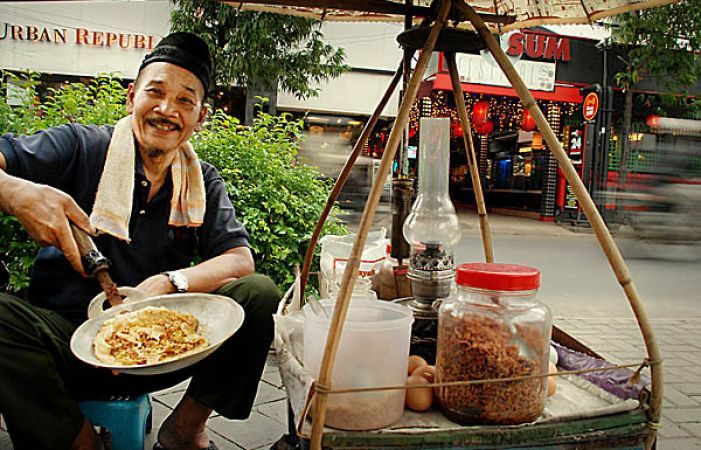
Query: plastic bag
pixel 335 251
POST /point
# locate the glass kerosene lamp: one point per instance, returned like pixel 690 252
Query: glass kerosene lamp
pixel 432 227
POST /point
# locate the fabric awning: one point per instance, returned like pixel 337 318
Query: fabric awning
pixel 513 14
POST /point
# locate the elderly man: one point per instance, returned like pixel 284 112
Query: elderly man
pixel 154 208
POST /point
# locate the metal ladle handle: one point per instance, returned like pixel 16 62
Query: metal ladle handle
pixel 90 256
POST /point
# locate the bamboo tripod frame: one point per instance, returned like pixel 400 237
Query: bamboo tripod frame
pixel 345 172
pixel 602 233
pixel 471 158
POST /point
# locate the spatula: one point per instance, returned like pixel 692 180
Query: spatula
pixel 96 265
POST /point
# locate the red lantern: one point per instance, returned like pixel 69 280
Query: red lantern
pixel 479 113
pixel 652 120
pixel 528 122
pixel 485 128
pixel 412 132
pixel 457 129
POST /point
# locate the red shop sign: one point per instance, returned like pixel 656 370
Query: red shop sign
pixel 590 106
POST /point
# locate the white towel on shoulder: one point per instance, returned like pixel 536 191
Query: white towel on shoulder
pixel 113 202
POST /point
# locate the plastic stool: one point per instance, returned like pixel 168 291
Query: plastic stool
pixel 127 420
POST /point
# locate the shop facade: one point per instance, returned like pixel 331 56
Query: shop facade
pixel 71 41
pixel 516 168
pixel 74 41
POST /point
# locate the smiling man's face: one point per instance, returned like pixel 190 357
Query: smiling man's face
pixel 166 103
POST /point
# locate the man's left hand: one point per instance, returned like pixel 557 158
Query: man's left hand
pixel 156 285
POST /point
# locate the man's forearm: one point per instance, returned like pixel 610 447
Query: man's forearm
pixel 214 273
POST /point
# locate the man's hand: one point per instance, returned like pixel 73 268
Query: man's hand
pixel 207 276
pixel 46 214
pixel 156 285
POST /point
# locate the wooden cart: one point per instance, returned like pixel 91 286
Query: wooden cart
pixel 630 429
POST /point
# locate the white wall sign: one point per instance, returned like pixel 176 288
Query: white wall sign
pixel 80 38
pixel 478 69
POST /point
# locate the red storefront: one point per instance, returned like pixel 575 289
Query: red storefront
pixel 515 165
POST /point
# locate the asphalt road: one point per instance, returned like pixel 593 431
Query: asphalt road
pixel 577 280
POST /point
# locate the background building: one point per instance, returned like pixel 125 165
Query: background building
pixel 67 41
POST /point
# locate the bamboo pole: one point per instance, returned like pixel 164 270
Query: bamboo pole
pixel 343 176
pixel 597 223
pixel 350 273
pixel 471 158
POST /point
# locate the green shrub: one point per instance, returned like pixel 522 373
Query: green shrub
pixel 278 200
pixel 101 102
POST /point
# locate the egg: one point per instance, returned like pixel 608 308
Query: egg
pixel 552 381
pixel 418 399
pixel 414 362
pixel 427 372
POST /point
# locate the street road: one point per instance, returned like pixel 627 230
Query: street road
pixel 579 286
pixel 577 281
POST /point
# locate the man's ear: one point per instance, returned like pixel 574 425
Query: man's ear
pixel 130 98
pixel 203 115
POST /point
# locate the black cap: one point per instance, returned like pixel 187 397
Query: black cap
pixel 186 50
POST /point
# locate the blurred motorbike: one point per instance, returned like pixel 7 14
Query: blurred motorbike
pixel 664 215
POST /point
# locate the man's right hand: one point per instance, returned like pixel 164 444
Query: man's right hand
pixel 46 214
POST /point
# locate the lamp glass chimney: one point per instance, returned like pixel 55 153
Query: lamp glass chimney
pixel 432 227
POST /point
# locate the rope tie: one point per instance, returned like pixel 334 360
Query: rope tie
pixel 647 362
pixel 652 362
pixel 323 388
pixel 653 425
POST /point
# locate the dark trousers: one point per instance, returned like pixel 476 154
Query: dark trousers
pixel 41 381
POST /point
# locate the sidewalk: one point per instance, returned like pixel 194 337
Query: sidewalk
pixel 499 223
pixel 616 339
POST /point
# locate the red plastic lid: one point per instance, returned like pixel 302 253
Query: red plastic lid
pixel 498 277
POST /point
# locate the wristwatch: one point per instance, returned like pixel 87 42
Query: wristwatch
pixel 178 280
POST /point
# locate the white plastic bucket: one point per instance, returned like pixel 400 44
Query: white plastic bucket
pixel 373 352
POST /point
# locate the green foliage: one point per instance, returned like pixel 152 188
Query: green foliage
pixel 101 102
pixel 664 42
pixel 18 252
pixel 278 200
pixel 262 48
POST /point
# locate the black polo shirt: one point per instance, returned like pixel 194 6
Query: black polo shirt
pixel 71 158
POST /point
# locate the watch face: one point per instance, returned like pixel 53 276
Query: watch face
pixel 179 281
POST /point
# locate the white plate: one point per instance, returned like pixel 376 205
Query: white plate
pixel 219 318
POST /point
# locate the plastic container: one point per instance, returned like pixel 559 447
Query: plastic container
pixel 373 352
pixel 361 291
pixel 493 327
pixel 390 281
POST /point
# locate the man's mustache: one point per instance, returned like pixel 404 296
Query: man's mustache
pixel 160 121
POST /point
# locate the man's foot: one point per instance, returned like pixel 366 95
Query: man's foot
pixel 212 446
pixel 87 439
pixel 185 429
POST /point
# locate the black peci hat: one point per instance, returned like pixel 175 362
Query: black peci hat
pixel 186 50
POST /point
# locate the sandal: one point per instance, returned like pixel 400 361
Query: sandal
pixel 211 446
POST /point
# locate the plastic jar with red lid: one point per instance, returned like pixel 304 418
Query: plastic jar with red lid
pixel 493 327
